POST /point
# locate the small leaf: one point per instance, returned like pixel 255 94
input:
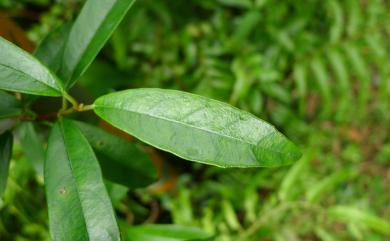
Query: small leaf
pixel 89 33
pixel 21 72
pixel 6 140
pixel 164 232
pixel 355 215
pixel 197 128
pixel 9 105
pixel 121 161
pixel 79 206
pixel 32 146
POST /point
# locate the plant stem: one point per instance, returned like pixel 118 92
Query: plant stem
pixel 71 100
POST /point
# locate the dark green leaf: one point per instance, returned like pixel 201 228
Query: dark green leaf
pixel 32 146
pixel 79 206
pixel 89 33
pixel 161 232
pixel 21 72
pixel 197 128
pixel 121 161
pixel 9 105
pixel 51 48
pixel 6 140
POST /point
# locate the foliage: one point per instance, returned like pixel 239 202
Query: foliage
pixel 318 70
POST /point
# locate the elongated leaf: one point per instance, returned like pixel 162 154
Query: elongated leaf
pixel 32 146
pixel 5 157
pixel 121 161
pixel 319 70
pixel 355 215
pixel 163 232
pixel 79 206
pixel 21 72
pixel 197 128
pixel 51 48
pixel 9 105
pixel 91 30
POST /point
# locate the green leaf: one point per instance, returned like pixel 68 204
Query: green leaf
pixel 121 161
pixel 197 128
pixel 50 50
pixel 9 105
pixel 21 72
pixel 91 30
pixel 6 140
pixel 79 206
pixel 355 215
pixel 32 146
pixel 164 232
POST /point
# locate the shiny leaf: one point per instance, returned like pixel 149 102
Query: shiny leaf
pixel 197 128
pixel 89 33
pixel 21 72
pixel 121 161
pixel 5 157
pixel 79 206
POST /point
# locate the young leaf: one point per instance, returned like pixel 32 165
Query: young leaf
pixel 32 146
pixel 197 128
pixel 164 232
pixel 9 105
pixel 91 30
pixel 79 206
pixel 21 72
pixel 6 140
pixel 121 161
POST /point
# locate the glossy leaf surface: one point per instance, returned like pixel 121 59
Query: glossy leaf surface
pixel 161 232
pixel 121 161
pixel 91 30
pixel 21 72
pixel 79 206
pixel 5 157
pixel 197 128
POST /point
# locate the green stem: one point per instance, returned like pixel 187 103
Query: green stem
pixel 71 100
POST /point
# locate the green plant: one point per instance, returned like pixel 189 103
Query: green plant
pixel 193 127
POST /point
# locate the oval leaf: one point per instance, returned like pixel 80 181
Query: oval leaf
pixel 121 161
pixel 21 72
pixel 164 232
pixel 79 206
pixel 91 30
pixel 197 128
pixel 6 140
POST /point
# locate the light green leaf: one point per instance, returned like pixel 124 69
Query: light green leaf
pixel 164 232
pixel 121 161
pixel 197 128
pixel 6 141
pixel 79 206
pixel 355 215
pixel 21 72
pixel 89 33
pixel 32 146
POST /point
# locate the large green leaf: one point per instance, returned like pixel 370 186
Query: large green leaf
pixel 91 30
pixel 197 128
pixel 5 157
pixel 21 72
pixel 9 105
pixel 163 232
pixel 79 206
pixel 121 161
pixel 32 146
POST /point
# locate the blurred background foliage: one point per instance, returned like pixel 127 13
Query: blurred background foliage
pixel 318 70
